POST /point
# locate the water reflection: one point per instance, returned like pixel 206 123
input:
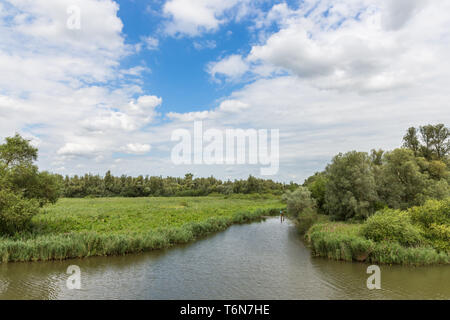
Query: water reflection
pixel 265 260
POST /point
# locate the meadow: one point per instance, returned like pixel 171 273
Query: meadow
pixel 76 228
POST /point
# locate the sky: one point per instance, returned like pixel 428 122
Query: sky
pixel 102 85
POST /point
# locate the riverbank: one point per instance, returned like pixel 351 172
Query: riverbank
pixel 418 236
pixel 78 228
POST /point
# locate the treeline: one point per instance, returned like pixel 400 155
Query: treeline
pixel 357 184
pixel 145 186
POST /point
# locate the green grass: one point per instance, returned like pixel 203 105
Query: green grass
pixel 76 228
pixel 343 241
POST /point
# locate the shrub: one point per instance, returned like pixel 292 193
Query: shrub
pixel 432 212
pixel 392 226
pixel 434 219
pixel 306 220
pixel 299 201
pixel 15 212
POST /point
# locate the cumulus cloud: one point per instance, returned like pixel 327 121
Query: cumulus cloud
pixel 194 17
pixel 332 76
pixel 340 75
pixel 231 67
pixel 65 87
pixel 137 148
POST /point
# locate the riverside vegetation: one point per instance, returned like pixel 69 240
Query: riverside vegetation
pixel 33 227
pixel 76 228
pixel 384 207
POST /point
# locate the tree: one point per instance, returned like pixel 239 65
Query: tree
pixel 317 186
pixel 440 140
pixel 17 151
pixel 427 135
pixel 402 184
pixel 299 201
pixel 411 141
pixel 350 189
pixel 23 187
pixel 15 212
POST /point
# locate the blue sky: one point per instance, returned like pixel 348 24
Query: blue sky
pixel 330 75
pixel 178 69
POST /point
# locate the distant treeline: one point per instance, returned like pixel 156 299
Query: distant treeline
pixel 145 186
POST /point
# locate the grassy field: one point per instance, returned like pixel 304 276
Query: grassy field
pixel 75 228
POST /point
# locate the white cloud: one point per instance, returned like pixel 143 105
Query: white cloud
pixel 137 148
pixel 207 44
pixel 150 43
pixel 232 67
pixel 353 78
pixel 233 106
pixel 65 87
pixel 194 17
pixel 358 45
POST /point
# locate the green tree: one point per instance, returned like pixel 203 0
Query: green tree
pixel 441 142
pixel 23 187
pixel 411 141
pixel 350 189
pixel 402 184
pixel 17 151
pixel 427 135
pixel 317 186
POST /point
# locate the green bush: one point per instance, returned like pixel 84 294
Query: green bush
pixel 306 220
pixel 434 219
pixel 432 212
pixel 15 212
pixel 392 226
pixel 299 201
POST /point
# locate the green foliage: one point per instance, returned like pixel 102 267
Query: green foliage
pixel 432 212
pixel 350 189
pixel 411 141
pixel 401 183
pixel 15 212
pixel 317 186
pixel 301 207
pixel 17 151
pixel 23 188
pixel 434 219
pixel 125 186
pixel 299 201
pixel 435 141
pixel 76 228
pixel 341 241
pixel 392 226
pixel 306 220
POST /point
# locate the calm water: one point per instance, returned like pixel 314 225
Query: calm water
pixel 264 260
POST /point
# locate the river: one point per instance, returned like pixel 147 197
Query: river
pixel 265 260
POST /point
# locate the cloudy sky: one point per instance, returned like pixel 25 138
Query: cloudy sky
pixel 332 76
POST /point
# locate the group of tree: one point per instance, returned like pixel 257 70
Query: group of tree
pixel 23 189
pixel 145 186
pixel 357 184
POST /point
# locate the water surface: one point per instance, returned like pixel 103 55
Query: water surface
pixel 265 260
